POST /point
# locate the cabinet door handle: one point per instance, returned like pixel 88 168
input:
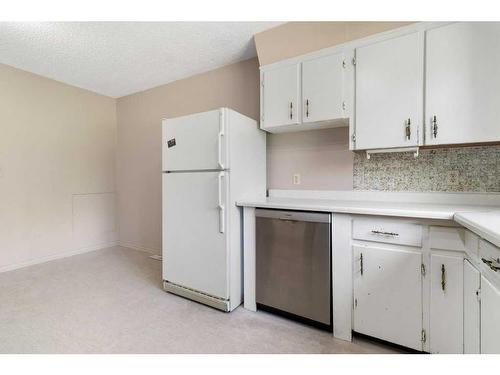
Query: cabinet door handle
pixel 307 107
pixel 291 110
pixel 443 277
pixel 408 129
pixel 434 126
pixel 361 263
pixel 493 264
pixel 385 233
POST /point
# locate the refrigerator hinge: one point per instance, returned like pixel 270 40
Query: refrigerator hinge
pixel 422 269
pixel 424 336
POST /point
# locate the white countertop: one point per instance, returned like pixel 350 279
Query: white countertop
pixel 484 224
pixel 385 208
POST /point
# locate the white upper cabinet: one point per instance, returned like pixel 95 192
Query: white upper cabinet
pixel 310 94
pixel 280 97
pixel 389 93
pixel 322 89
pixel 462 83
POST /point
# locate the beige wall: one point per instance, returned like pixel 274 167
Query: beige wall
pixel 57 181
pixel 297 38
pixel 321 157
pixel 139 140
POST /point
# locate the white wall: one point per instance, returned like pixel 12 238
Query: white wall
pixel 57 169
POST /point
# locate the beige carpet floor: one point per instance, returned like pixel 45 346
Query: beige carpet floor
pixel 111 301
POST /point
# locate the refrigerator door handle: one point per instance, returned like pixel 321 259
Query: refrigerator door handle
pixel 221 205
pixel 219 158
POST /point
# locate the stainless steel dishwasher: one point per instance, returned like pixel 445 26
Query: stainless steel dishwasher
pixel 293 264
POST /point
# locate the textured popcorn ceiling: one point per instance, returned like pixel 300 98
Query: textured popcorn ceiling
pixel 464 169
pixel 120 58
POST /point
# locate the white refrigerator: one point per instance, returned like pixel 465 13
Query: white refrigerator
pixel 210 161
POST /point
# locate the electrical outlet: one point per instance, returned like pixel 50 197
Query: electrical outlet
pixel 452 177
pixel 296 179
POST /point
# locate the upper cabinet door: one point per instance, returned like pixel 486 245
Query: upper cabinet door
pixel 389 93
pixel 280 96
pixel 322 83
pixel 462 83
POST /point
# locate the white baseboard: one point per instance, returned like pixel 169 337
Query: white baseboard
pixel 134 246
pixel 64 254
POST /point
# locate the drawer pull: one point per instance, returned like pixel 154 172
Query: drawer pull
pixel 385 233
pixel 493 264
pixel 443 277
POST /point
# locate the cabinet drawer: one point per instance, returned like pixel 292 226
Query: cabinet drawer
pixel 446 238
pixel 489 253
pixel 387 231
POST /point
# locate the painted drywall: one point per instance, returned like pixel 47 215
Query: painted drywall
pixel 321 158
pixel 57 169
pixel 139 140
pixel 297 38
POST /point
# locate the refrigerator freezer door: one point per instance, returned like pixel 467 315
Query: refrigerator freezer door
pixel 195 231
pixel 195 142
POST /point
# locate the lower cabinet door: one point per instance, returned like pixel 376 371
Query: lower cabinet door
pixel 472 312
pixel 490 318
pixel 446 305
pixel 388 294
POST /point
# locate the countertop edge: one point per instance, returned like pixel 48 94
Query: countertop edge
pixel 417 214
pixel 478 229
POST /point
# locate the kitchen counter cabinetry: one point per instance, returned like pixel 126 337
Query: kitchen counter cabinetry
pixel 409 274
pixel 454 304
pixel 388 293
pixel 490 323
pixel 446 289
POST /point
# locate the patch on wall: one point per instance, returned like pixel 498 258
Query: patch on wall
pixel 464 169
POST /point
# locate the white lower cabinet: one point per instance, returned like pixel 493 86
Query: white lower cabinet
pixel 490 318
pixel 388 294
pixel 472 311
pixel 446 304
pixel 413 285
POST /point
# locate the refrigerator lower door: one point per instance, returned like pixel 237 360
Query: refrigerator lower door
pixel 195 231
pixel 195 142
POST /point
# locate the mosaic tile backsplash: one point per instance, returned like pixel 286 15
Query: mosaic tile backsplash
pixel 465 169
